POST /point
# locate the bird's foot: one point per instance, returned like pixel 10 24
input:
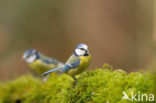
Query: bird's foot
pixel 75 82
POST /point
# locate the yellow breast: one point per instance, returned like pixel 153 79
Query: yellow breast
pixel 40 67
pixel 85 61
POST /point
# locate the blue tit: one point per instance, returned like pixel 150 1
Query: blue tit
pixel 39 62
pixel 76 64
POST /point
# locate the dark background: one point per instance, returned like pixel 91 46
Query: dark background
pixel 119 32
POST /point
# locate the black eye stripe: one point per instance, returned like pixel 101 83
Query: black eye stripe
pixel 82 48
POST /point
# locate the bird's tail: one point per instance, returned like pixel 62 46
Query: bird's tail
pixel 50 71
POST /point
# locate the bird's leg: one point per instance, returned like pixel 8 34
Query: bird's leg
pixel 75 79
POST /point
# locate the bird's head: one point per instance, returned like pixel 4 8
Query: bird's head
pixel 81 50
pixel 31 55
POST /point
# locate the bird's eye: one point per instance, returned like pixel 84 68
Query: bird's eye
pixel 81 49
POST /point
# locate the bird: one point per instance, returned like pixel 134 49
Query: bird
pixel 78 62
pixel 38 62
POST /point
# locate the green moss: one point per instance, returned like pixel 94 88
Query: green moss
pixel 14 91
pixel 102 85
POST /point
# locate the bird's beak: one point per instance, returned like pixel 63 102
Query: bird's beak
pixel 87 53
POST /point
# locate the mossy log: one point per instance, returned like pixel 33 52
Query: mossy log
pixel 102 85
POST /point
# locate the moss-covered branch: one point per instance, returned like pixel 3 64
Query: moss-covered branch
pixel 102 85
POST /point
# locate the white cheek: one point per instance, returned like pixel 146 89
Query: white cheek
pixel 80 52
pixel 31 59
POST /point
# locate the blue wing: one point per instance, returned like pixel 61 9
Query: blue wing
pixel 69 66
pixel 50 61
pixel 63 69
pixel 50 71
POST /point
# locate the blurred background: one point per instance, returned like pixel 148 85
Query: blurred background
pixel 119 32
